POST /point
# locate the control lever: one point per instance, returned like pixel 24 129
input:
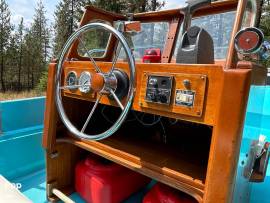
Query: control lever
pixel 189 9
pixel 256 167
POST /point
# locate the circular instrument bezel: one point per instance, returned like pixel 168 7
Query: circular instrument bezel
pixel 83 87
pixel 72 86
pixel 257 45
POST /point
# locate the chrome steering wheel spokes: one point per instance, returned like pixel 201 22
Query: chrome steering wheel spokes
pixel 103 84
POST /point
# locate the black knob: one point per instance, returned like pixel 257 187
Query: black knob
pixel 153 82
pixel 163 98
pixel 152 96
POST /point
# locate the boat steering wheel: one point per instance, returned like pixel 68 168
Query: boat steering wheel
pixel 103 84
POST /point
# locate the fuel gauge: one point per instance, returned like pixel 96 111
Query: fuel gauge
pixel 72 80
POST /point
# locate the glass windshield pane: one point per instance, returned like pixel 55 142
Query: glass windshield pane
pixel 95 41
pixel 251 14
pixel 152 35
pixel 219 26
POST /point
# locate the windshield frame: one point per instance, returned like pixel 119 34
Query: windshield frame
pixel 174 17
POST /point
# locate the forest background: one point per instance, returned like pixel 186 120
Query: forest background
pixel 25 51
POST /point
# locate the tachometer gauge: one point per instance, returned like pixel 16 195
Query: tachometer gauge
pixel 72 80
pixel 85 82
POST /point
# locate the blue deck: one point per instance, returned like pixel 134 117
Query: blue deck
pixel 21 136
pixel 21 133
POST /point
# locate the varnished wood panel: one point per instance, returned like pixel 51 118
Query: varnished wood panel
pixel 170 44
pixel 72 92
pixel 212 72
pixel 166 175
pixel 232 56
pixel 60 166
pixel 197 85
pixel 224 108
pixel 259 72
pixel 51 116
pixel 213 8
pixel 227 136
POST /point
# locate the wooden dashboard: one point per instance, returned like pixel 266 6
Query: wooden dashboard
pixel 201 158
pixel 205 83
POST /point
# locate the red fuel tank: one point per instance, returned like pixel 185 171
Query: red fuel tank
pixel 98 180
pixel 164 194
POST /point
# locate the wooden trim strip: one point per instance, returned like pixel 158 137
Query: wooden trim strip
pixel 171 40
pixel 231 57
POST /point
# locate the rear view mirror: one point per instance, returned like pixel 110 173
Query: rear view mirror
pixel 196 4
pixel 132 26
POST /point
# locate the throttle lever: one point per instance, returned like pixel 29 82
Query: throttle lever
pixel 256 168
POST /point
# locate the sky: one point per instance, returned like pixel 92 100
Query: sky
pixel 26 9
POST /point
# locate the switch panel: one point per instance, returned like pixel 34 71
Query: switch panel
pixel 159 89
pixel 175 93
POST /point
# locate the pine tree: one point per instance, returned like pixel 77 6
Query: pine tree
pixel 67 17
pixel 28 59
pixel 69 12
pixel 5 30
pixel 36 47
pixel 129 6
pixel 19 35
pixel 40 31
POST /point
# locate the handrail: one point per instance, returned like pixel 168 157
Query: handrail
pixel 255 14
pixel 231 60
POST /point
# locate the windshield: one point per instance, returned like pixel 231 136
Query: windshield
pixel 219 26
pixel 152 35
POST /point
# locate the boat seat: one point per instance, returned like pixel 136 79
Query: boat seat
pixel 9 193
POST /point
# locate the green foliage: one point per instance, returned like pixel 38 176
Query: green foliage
pixel 24 53
pixel 42 85
pixel 5 31
pixel 129 6
pixel 69 12
pixel 67 16
pixel 265 24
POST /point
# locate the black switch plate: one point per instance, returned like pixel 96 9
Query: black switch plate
pixel 159 89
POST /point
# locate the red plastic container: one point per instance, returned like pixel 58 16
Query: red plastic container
pixel 164 194
pixel 98 180
pixel 152 56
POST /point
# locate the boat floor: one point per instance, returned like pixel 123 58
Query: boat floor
pixel 34 187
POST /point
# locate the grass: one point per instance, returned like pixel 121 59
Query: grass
pixel 19 95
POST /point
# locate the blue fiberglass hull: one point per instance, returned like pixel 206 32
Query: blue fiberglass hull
pixel 22 157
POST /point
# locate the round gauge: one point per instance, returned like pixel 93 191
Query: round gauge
pixel 249 40
pixel 71 80
pixel 85 82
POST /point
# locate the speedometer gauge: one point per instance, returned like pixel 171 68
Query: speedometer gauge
pixel 71 80
pixel 85 82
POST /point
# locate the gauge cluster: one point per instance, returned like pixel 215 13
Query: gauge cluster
pixel 81 82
